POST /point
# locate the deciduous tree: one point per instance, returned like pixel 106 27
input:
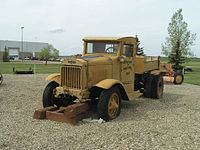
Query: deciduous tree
pixel 178 45
pixel 49 52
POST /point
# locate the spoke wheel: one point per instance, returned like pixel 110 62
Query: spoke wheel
pixel 113 105
pixel 109 104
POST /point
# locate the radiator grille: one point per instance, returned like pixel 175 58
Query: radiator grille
pixel 71 76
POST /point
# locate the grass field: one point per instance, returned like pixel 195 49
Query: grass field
pixel 7 68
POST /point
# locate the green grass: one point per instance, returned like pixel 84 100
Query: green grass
pixel 7 68
pixel 194 76
pixel 190 77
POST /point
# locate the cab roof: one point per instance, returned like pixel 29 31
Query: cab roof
pixel 111 39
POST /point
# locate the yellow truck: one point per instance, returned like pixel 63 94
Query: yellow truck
pixel 107 72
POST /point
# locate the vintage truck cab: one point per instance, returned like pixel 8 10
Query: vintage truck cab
pixel 107 72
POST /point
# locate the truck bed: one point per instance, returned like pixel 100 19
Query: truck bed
pixel 146 63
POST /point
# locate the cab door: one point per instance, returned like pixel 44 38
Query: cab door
pixel 127 69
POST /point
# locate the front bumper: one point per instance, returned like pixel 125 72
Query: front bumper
pixel 82 95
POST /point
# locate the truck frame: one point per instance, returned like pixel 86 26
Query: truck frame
pixel 108 71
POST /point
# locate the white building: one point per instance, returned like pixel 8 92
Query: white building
pixel 20 49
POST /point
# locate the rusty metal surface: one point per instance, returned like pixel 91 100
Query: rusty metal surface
pixel 168 79
pixel 167 72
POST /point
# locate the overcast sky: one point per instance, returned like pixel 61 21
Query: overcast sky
pixel 63 23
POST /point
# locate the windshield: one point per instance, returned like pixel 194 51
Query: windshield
pixel 101 47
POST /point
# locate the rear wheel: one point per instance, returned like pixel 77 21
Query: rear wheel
pixel 48 98
pixel 109 104
pixel 178 78
pixel 147 87
pixel 157 87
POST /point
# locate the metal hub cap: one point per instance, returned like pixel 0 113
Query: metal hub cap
pixel 178 79
pixel 113 105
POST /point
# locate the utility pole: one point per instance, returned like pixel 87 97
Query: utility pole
pixel 22 43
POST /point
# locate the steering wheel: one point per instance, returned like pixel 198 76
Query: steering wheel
pixel 109 50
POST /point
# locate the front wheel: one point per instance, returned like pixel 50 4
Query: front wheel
pixel 48 98
pixel 178 78
pixel 109 104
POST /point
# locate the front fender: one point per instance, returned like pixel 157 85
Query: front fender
pixel 108 83
pixel 55 77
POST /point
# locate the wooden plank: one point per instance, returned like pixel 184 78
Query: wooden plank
pixel 61 117
pixel 76 109
pixel 70 114
pixel 41 113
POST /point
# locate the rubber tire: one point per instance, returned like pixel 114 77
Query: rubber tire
pixel 48 99
pixel 177 74
pixel 147 87
pixel 1 78
pixel 157 79
pixel 102 106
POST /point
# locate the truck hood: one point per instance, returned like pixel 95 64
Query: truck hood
pixel 97 60
pixel 90 60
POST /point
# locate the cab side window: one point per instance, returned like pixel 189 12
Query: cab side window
pixel 128 50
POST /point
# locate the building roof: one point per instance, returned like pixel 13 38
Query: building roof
pixel 23 41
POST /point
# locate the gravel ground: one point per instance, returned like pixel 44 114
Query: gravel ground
pixel 170 123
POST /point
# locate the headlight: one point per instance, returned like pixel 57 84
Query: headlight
pixel 121 59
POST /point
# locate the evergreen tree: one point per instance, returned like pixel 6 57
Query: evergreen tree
pixel 176 58
pixel 5 55
pixel 140 50
pixel 178 45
